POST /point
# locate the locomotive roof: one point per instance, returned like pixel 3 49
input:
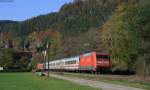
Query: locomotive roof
pixel 98 53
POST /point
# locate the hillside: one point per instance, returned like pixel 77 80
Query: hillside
pixel 72 19
pixel 7 25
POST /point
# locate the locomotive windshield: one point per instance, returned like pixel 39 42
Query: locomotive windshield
pixel 104 57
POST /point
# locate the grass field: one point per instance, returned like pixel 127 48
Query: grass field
pixel 137 84
pixel 29 81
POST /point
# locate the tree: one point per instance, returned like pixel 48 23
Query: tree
pixel 119 40
pixel 24 62
pixel 126 35
pixel 6 58
pixel 55 45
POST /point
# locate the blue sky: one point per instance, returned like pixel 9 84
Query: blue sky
pixel 19 10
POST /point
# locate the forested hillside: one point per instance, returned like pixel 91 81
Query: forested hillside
pixel 120 27
pixel 76 19
pixel 72 19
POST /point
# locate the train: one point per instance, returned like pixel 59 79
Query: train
pixel 92 62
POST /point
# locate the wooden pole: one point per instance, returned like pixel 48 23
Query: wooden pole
pixel 48 67
pixel 48 59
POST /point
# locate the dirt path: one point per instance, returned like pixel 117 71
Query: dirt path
pixel 95 84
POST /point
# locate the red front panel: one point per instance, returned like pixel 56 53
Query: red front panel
pixel 88 61
pixel 103 60
pixel 103 63
pixel 39 66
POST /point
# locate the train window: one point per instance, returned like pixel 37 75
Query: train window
pixel 75 62
pixel 71 62
pixel 67 62
pixel 106 57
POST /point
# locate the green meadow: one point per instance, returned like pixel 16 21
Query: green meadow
pixel 30 81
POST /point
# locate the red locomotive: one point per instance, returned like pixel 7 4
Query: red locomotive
pixel 93 61
pixel 39 66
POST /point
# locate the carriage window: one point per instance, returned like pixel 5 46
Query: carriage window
pixel 103 57
pixel 75 61
pixel 71 62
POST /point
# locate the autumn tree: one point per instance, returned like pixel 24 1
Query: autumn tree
pixel 55 48
pixel 7 58
pixel 126 36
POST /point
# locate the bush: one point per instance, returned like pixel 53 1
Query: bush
pixel 123 72
pixel 14 70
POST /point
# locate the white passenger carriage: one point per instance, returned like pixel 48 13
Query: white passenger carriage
pixel 71 64
pixel 68 64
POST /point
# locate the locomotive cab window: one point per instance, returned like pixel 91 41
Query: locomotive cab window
pixel 104 57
